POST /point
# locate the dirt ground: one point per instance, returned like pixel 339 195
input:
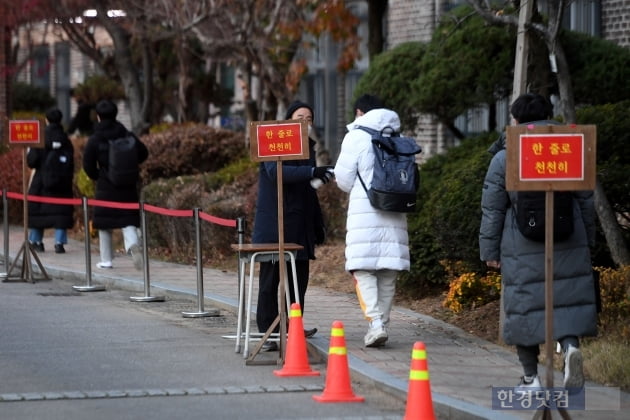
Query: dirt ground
pixel 328 271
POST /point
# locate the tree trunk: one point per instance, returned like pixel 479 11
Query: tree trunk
pixel 147 68
pixel 612 231
pixel 614 238
pixel 126 69
pixel 5 73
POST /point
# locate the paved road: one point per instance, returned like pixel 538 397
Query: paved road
pixel 66 354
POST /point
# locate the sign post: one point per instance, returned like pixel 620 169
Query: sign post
pixel 278 141
pixel 550 158
pixel 26 133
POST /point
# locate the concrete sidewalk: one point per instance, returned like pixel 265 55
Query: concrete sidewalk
pixel 463 368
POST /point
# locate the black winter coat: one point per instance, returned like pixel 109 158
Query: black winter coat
pixel 95 162
pixel 44 215
pixel 303 221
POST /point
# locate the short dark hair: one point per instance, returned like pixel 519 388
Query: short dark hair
pixel 106 109
pixel 531 107
pixel 54 115
pixel 367 103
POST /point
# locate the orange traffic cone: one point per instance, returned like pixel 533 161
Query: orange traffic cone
pixel 338 388
pixel 296 357
pixel 419 402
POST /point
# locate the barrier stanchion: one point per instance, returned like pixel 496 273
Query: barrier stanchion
pixel 200 298
pixel 240 233
pixel 5 227
pixel 145 264
pixel 88 254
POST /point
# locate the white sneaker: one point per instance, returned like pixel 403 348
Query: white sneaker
pixel 136 255
pixel 107 264
pixel 573 373
pixel 375 337
pixel 528 384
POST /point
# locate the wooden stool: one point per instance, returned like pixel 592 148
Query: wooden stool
pixel 251 254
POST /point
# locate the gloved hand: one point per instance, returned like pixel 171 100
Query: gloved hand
pixel 56 144
pixel 325 173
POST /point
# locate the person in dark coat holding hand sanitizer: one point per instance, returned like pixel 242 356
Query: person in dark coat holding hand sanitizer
pixel 303 223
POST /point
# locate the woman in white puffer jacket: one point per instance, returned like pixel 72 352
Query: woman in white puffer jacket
pixel 377 243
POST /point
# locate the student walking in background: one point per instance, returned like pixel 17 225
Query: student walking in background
pixel 377 241
pixel 54 170
pixel 522 263
pixel 96 162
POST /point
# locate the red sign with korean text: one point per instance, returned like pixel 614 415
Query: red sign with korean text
pixel 273 140
pixel 551 157
pixel 279 140
pixel 24 132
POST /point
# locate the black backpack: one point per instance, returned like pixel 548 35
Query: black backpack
pixel 58 169
pixel 530 215
pixel 396 178
pixel 123 169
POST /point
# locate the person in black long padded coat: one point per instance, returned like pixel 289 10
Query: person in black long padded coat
pixel 54 168
pixel 303 224
pixel 95 164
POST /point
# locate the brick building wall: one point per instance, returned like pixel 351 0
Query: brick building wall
pixel 616 21
pixel 416 20
pixel 410 20
pixel 5 48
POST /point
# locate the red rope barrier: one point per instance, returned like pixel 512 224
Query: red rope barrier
pixel 118 205
pixel 53 200
pixel 113 204
pixel 217 220
pixel 168 212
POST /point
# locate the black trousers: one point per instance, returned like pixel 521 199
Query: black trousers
pixel 268 284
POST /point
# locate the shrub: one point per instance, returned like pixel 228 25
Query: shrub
pixel 11 174
pixel 187 149
pixel 471 290
pixel 31 98
pixel 446 227
pixel 97 87
pixel 614 287
pixel 390 76
pixel 174 237
pixel 613 164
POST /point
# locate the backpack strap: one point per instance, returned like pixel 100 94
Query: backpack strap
pixel 374 133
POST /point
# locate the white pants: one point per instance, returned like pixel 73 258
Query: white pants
pixel 130 238
pixel 375 290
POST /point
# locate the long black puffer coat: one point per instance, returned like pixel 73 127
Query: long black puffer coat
pixel 523 264
pixel 303 219
pixel 45 215
pixel 95 162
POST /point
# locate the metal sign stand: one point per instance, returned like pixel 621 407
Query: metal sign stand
pixel 526 170
pixel 278 141
pixel 26 250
